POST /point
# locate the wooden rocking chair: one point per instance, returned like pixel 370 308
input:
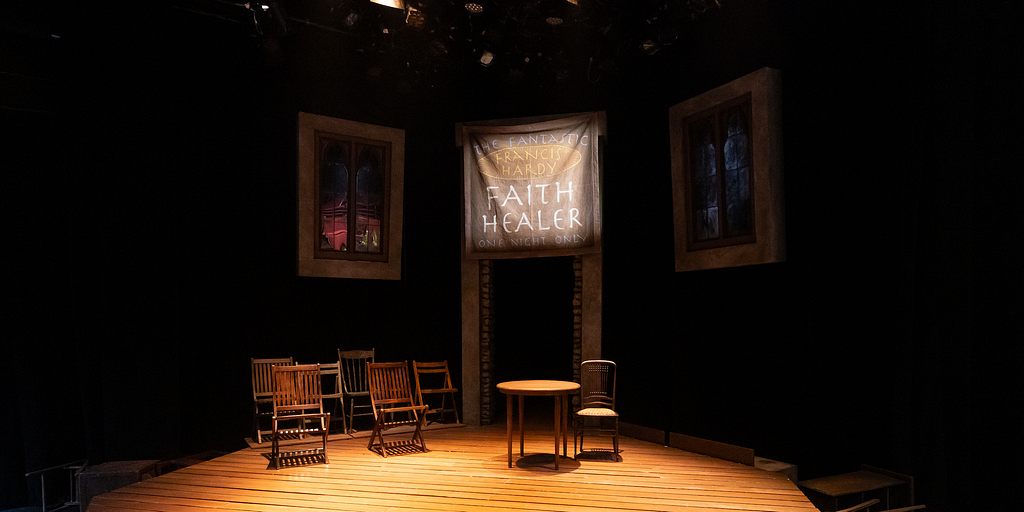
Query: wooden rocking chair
pixel 390 394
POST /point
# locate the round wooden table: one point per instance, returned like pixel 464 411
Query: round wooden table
pixel 559 389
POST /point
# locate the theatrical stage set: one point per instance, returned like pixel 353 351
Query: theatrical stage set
pixel 389 255
pixel 356 433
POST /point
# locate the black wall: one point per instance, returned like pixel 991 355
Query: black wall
pixel 149 229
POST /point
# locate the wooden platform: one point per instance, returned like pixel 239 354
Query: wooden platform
pixel 466 469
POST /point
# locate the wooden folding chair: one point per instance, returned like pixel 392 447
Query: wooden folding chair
pixel 390 394
pixel 436 373
pixel 298 399
pixel 355 389
pixel 331 374
pixel 263 392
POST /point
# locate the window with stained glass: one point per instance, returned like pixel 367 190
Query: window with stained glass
pixel 352 198
pixel 728 204
pixel 720 177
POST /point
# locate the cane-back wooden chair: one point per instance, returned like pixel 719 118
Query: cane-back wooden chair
pixel 597 414
pixel 298 412
pixel 354 385
pixel 263 393
pixel 436 376
pixel 390 395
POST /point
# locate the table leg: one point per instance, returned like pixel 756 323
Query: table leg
pixel 522 428
pixel 558 426
pixel 508 422
pixel 565 425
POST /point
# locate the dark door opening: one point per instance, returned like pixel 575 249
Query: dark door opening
pixel 533 324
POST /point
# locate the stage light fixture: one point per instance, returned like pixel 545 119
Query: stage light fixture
pixel 397 4
pixel 414 18
pixel 486 58
pixel 554 21
pixel 650 47
pixel 474 8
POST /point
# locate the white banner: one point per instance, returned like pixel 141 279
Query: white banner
pixel 532 190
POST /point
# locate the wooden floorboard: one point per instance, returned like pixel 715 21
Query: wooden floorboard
pixel 466 469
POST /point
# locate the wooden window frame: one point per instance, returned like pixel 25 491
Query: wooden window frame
pixel 312 262
pixel 718 115
pixel 767 243
pixel 322 138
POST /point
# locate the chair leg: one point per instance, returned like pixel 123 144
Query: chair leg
pixel 344 424
pixel 256 425
pixel 275 450
pixel 378 432
pixel 615 440
pixel 340 405
pixel 444 402
pixel 325 423
pixel 583 431
pixel 419 431
pixel 351 410
pixel 575 434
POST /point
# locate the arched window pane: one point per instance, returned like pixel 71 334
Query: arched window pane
pixel 334 197
pixel 369 201
pixel 738 219
pixel 704 179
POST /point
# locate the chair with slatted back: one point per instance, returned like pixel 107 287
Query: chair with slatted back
pixel 354 386
pixel 436 376
pixel 298 413
pixel 597 414
pixel 390 394
pixel 333 390
pixel 263 392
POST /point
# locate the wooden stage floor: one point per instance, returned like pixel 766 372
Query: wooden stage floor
pixel 465 469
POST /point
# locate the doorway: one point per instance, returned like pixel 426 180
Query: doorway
pixel 581 277
pixel 533 325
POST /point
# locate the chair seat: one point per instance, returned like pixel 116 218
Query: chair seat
pixel 301 416
pixel 597 412
pixel 294 431
pixel 407 408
